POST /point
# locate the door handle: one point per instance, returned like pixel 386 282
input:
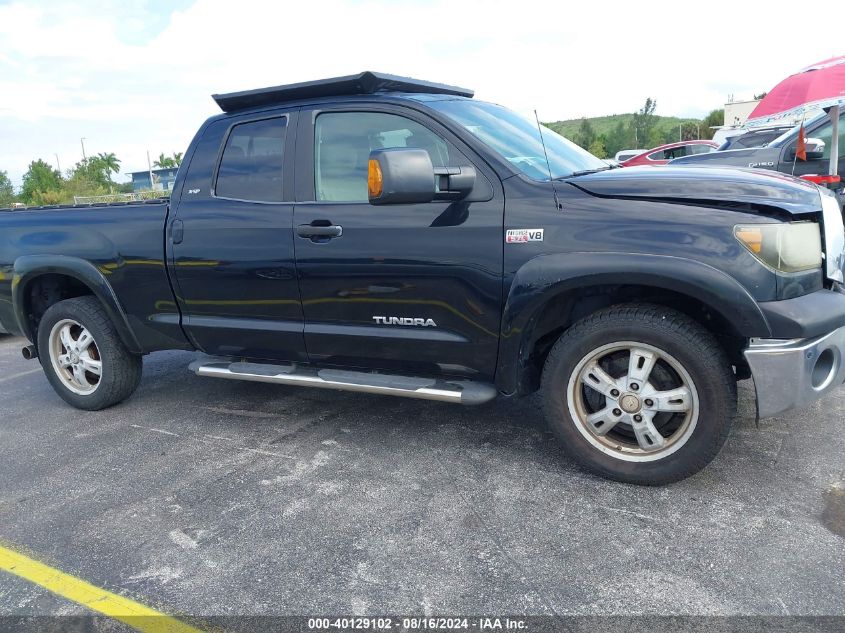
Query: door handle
pixel 319 230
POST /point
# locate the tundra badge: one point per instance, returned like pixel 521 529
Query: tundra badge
pixel 383 320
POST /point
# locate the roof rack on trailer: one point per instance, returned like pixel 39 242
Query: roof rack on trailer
pixel 364 83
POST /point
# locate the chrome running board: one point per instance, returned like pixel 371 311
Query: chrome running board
pixel 440 389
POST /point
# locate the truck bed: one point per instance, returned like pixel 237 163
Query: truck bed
pixel 124 242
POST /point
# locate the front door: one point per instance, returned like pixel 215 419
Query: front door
pixel 232 241
pixel 409 287
pixel 824 132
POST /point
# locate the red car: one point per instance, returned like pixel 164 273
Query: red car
pixel 664 153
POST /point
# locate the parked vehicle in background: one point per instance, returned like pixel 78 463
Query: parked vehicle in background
pixel 779 154
pixel 664 153
pixel 757 137
pixel 625 154
pixel 380 234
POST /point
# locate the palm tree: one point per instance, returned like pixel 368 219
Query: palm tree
pixel 164 162
pixel 177 158
pixel 110 163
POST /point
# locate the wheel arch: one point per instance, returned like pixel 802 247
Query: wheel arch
pixel 551 292
pixel 64 277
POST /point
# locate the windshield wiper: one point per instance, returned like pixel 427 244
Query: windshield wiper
pixel 584 172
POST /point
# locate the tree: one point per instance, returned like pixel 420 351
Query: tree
pixel 177 158
pixel 87 178
pixel 110 163
pixel 89 172
pixel 40 179
pixel 43 198
pixel 618 139
pixel 7 191
pixel 690 130
pixel 597 147
pixel 586 134
pixel 714 118
pixel 762 95
pixel 643 122
pixel 165 162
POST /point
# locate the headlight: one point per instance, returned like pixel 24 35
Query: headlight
pixel 787 247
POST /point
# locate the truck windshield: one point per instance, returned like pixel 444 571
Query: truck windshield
pixel 517 139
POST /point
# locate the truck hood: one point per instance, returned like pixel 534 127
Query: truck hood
pixel 705 185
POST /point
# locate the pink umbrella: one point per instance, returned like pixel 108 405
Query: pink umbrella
pixel 821 85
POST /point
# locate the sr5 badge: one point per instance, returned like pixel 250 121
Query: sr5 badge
pixel 518 236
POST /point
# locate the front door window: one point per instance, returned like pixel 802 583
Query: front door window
pixel 344 141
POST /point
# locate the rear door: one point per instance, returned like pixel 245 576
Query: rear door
pixel 231 240
pixel 409 287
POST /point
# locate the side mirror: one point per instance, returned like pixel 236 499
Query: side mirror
pixel 815 148
pixel 405 175
pixel 400 175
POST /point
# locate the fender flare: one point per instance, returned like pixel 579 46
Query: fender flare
pixel 546 276
pixel 29 267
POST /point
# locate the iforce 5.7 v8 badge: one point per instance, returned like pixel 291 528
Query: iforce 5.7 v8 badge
pixel 518 236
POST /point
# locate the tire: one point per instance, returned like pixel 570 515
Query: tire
pixel 607 421
pixel 78 383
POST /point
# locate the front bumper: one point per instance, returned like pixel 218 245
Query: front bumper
pixel 792 373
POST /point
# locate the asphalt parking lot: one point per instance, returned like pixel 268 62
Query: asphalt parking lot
pixel 208 497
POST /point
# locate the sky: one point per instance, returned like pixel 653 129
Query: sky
pixel 131 76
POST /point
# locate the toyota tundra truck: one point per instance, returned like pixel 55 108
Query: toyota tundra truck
pixel 380 234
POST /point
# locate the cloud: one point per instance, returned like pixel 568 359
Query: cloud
pixel 132 76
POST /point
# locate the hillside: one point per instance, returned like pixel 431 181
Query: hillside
pixel 603 125
pixel 606 135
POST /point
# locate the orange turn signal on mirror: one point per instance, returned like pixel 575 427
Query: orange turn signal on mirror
pixel 751 237
pixel 375 181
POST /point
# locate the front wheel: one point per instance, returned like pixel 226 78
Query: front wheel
pixel 639 393
pixel 83 357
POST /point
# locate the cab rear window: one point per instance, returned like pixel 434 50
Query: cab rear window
pixel 251 166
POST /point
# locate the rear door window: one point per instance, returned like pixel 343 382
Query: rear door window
pixel 251 165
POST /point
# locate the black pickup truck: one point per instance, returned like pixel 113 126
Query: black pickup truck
pixel 381 234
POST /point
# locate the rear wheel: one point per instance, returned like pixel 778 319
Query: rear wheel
pixel 641 394
pixel 83 357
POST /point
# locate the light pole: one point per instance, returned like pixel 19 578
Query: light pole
pixel 58 166
pixel 150 169
pixel 82 142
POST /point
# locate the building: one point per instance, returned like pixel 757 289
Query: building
pixel 163 179
pixel 737 112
